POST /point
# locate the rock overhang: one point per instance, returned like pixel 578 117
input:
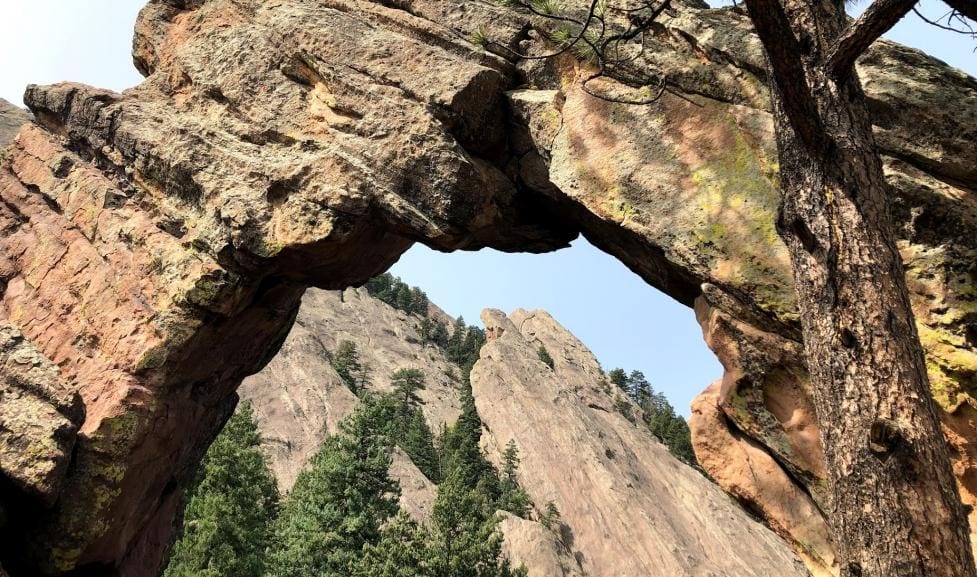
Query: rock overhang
pixel 274 147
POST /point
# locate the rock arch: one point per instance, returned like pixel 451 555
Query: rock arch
pixel 156 243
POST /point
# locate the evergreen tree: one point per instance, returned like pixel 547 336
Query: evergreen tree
pixel 419 302
pixel 338 503
pixel 417 440
pixel 472 345
pixel 398 294
pixel 619 378
pixel 379 286
pixel 346 362
pixel 402 551
pixel 512 498
pixel 439 334
pixel 426 329
pixel 230 508
pixel 461 452
pixel 406 383
pixel 655 411
pixel 544 355
pixel 455 348
pixel 403 299
pixel 550 517
pixel 510 465
pixel 465 538
pixel 680 441
pixel 640 390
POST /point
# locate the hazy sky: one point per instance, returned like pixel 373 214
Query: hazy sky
pixel 624 321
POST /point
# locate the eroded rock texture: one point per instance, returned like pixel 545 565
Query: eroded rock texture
pixel 156 243
pixel 11 119
pixel 299 398
pixel 630 508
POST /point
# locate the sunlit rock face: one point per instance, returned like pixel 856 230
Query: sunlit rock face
pixel 299 398
pixel 685 192
pixel 629 507
pixel 156 243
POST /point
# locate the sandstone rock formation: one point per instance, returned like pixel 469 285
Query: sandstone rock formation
pixel 40 418
pixel 630 507
pixel 299 398
pixel 540 550
pixel 566 427
pixel 11 119
pixel 156 243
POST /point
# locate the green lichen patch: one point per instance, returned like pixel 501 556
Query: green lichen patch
pixel 737 192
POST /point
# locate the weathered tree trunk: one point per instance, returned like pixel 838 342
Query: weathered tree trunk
pixel 895 510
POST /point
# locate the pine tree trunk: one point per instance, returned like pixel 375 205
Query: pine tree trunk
pixel 895 510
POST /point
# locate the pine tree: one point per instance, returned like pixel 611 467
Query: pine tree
pixel 461 451
pixel 639 389
pixel 655 411
pixel 230 508
pixel 403 299
pixel 379 285
pixel 680 441
pixel 426 329
pixel 550 517
pixel 544 355
pixel 339 503
pixel 439 334
pixel 472 345
pixel 406 383
pixel 455 349
pixel 512 498
pixel 347 364
pixel 402 551
pixel 417 440
pixel 419 302
pixel 619 378
pixel 465 538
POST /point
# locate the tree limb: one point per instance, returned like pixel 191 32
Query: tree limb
pixel 873 23
pixel 783 54
pixel 966 7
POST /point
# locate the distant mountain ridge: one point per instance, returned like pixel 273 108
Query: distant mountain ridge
pixel 11 119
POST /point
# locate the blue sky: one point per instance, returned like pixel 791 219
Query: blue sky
pixel 624 321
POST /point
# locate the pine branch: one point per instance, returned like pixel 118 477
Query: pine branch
pixel 881 16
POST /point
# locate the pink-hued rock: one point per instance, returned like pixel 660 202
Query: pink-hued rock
pixel 156 243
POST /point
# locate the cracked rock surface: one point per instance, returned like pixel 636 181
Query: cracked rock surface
pixel 156 243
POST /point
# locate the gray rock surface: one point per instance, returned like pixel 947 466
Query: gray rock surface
pixel 39 418
pixel 299 398
pixel 11 119
pixel 630 507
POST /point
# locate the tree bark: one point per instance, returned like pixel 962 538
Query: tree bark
pixel 894 510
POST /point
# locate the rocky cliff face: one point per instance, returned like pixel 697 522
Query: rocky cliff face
pixel 630 508
pixel 299 398
pixel 156 243
pixel 11 119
